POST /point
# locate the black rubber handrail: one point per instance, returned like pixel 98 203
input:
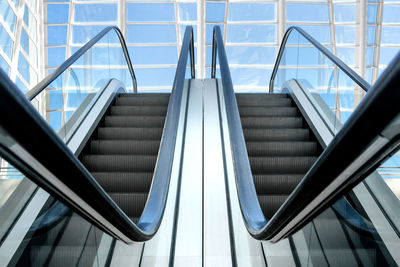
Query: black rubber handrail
pixel 339 63
pixel 28 142
pixel 31 94
pixel 341 166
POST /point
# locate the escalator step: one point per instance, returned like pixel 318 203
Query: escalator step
pixel 277 122
pixel 281 148
pixel 134 121
pixel 131 203
pixel 129 133
pixel 119 163
pixel 280 165
pixel 263 96
pixel 144 95
pixel 259 102
pixel 135 111
pixel 276 134
pixel 276 184
pixel 120 147
pixel 270 204
pixel 124 182
pixel 268 111
pixel 142 101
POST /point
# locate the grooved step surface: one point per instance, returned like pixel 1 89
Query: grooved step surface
pixel 134 121
pixel 279 144
pixel 276 122
pixel 280 149
pixel 131 133
pixel 268 112
pixel 123 152
pixel 119 147
pixel 131 203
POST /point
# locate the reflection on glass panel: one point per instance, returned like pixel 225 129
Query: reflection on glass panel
pixel 368 75
pixel 251 55
pixel 390 35
pixel 151 34
pixel 163 55
pixel 5 42
pixel 24 40
pixel 371 14
pixel 345 34
pixel 251 34
pixel 96 13
pixel 8 15
pixel 391 14
pixel 252 12
pixel 3 65
pixel 347 54
pixel 56 35
pixel 56 56
pixel 187 11
pixel 57 13
pixel 215 12
pixel 387 54
pixel 345 13
pixel 155 77
pixel 150 12
pixel 306 12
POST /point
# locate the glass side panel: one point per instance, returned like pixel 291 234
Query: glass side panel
pixel 366 219
pixel 76 88
pixel 38 230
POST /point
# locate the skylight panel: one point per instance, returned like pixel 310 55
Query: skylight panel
pixel 345 13
pixel 391 14
pixel 57 56
pixel 57 35
pixel 299 12
pixel 390 35
pixel 96 13
pixel 139 34
pixel 371 35
pixel 251 34
pixel 347 54
pixel 386 55
pixel 6 42
pixel 188 11
pixel 147 12
pixel 83 33
pixel 262 55
pixel 156 55
pixel 182 30
pixel 252 12
pixel 8 15
pixel 155 77
pixel 371 14
pixel 345 34
pixel 57 13
pixel 215 12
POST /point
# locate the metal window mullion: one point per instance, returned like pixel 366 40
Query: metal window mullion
pixel 362 40
pixel 178 31
pixel 19 16
pixel 201 37
pixel 226 20
pixel 281 24
pixel 378 33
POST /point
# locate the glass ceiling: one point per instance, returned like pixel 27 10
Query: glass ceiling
pixel 252 32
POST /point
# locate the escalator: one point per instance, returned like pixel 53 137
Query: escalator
pixel 280 145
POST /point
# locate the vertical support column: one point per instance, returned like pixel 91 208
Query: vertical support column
pixel 122 17
pixel 201 38
pixel 362 40
pixel 281 20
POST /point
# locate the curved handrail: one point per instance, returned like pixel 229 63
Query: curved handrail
pixel 335 172
pixel 31 94
pixel 57 170
pixel 342 66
